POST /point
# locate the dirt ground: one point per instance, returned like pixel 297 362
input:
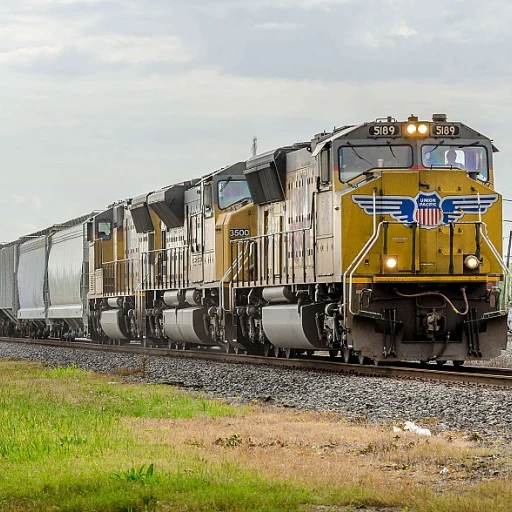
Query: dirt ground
pixel 326 450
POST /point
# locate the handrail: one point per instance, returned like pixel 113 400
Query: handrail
pixel 118 261
pixel 507 274
pixel 368 244
pixel 228 271
pixel 354 264
pixel 283 236
pixel 166 249
pixel 347 297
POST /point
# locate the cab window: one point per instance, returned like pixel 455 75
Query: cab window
pixel 356 160
pixel 472 159
pixel 104 229
pixel 232 191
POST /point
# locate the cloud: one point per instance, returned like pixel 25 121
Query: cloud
pixel 278 26
pixel 98 93
pixel 32 200
pixel 41 41
pixel 403 30
pixel 134 50
pixel 26 56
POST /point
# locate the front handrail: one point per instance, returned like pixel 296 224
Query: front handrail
pixel 354 264
pixel 507 274
pixel 352 267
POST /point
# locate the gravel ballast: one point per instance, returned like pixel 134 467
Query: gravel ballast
pixel 456 407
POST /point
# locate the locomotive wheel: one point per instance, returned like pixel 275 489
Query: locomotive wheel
pixel 277 351
pixel 458 363
pixel 333 354
pixel 360 358
pixel 345 354
pixel 267 349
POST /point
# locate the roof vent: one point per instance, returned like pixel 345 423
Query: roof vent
pixel 439 118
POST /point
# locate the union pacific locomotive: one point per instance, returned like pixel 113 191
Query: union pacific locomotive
pixel 379 241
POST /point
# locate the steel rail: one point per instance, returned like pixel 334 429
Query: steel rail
pixel 499 377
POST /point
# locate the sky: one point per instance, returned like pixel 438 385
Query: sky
pixel 102 100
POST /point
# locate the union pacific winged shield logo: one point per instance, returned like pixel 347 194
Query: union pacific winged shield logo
pixel 428 209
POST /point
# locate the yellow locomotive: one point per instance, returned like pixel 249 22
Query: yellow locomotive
pixel 375 241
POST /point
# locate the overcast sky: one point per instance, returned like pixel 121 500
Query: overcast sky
pixel 107 99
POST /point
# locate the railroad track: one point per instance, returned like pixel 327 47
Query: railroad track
pixel 490 376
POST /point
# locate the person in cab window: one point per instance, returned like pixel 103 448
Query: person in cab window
pixel 451 157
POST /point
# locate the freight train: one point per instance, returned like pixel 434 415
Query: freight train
pixel 379 241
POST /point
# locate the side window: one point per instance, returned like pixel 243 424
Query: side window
pixel 231 191
pixel 208 196
pixel 90 231
pixel 325 165
pixel 104 229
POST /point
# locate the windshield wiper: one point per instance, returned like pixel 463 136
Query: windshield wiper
pixel 440 143
pixel 358 155
pixel 224 184
pixel 473 144
pixel 392 152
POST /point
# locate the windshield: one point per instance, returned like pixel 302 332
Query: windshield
pixel 469 158
pixel 232 191
pixel 355 160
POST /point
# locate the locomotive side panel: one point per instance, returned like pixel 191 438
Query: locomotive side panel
pixel 324 236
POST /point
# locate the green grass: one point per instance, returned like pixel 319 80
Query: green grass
pixel 68 442
pixel 64 446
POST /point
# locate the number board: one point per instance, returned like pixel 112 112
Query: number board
pixel 239 233
pixel 444 130
pixel 384 130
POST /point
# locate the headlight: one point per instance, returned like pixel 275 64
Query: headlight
pixel 390 263
pixel 423 129
pixel 415 128
pixel 471 262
